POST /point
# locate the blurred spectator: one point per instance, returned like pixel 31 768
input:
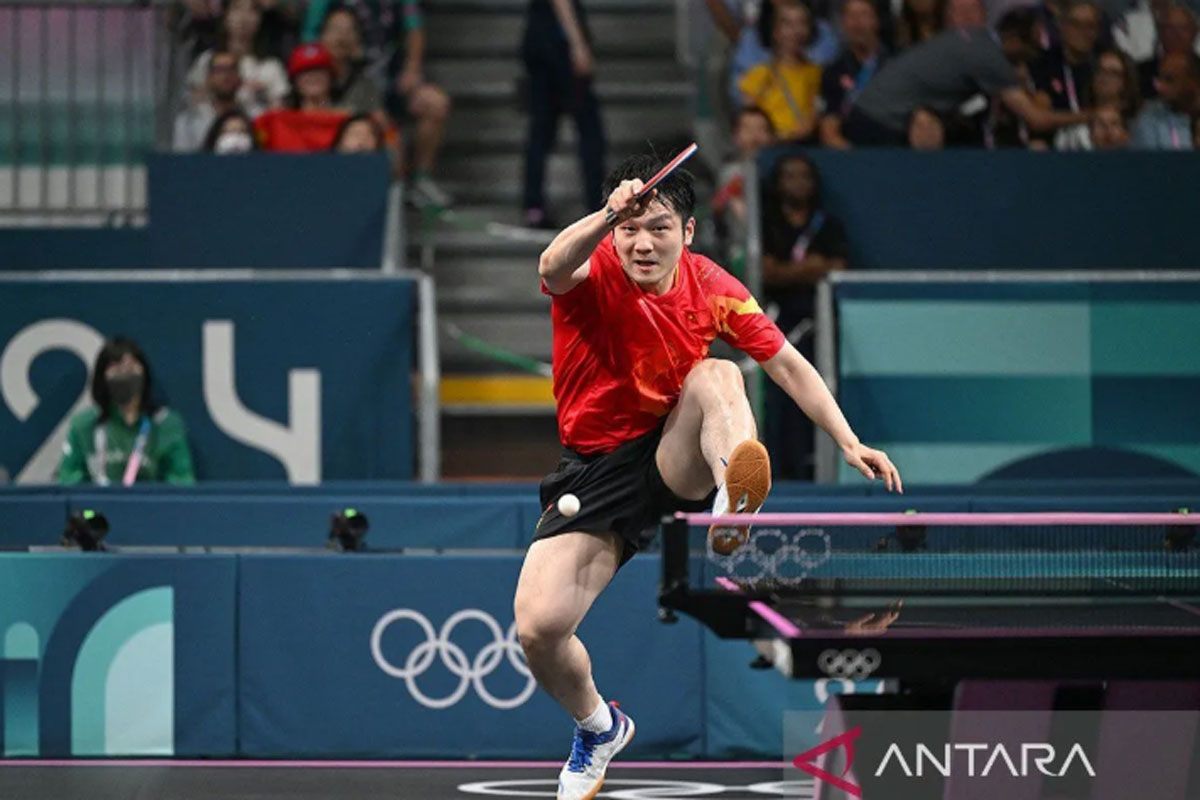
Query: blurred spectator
pixel 1108 130
pixel 277 31
pixel 1152 28
pixel 1064 73
pixel 125 436
pixel 353 88
pixel 926 131
pixel 1116 83
pixel 230 133
pixel 947 71
pixel 964 14
pixel 858 62
pixel 1196 131
pixel 264 84
pixel 360 133
pixel 221 85
pixel 820 46
pixel 1166 122
pixel 802 243
pixel 310 122
pixel 920 21
pixel 557 50
pixel 786 86
pixel 392 33
pixel 752 131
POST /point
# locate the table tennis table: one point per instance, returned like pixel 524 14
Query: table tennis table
pixel 1123 607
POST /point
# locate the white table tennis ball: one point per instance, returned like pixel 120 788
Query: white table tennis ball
pixel 568 505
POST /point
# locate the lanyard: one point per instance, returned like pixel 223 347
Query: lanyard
pixel 800 247
pixel 1069 82
pixel 100 472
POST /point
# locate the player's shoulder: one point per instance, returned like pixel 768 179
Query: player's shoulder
pixel 713 278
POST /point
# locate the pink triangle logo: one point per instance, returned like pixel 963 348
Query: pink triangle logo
pixel 805 760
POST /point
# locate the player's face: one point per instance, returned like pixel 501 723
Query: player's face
pixel 650 245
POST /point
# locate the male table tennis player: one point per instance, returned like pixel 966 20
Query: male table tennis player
pixel 649 425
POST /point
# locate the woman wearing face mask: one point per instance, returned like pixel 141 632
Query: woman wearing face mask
pixel 230 133
pixel 125 438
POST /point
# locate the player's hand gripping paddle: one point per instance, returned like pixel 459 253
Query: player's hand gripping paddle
pixel 611 217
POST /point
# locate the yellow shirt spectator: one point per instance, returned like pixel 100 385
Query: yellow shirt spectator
pixel 761 87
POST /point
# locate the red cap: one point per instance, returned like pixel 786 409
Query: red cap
pixel 309 56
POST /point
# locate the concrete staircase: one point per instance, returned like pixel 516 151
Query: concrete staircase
pixel 487 286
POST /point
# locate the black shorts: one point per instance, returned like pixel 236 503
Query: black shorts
pixel 620 492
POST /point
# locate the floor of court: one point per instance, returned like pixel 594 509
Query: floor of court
pixel 359 780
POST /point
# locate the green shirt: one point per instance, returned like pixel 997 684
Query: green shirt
pixel 166 456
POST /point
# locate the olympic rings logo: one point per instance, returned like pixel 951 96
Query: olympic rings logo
pixel 850 664
pixel 470 672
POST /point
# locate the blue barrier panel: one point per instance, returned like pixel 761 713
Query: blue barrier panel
pixel 344 655
pixel 31 519
pixel 968 382
pixel 299 379
pixel 262 211
pixel 128 655
pixel 268 210
pixel 1011 209
pixel 163 519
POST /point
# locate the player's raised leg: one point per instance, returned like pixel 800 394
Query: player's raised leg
pixel 561 578
pixel 710 440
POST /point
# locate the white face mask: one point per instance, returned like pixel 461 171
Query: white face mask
pixel 233 142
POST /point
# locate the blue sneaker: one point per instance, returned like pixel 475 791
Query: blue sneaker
pixel 583 774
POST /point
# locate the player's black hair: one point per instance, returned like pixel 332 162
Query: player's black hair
pixel 113 351
pixel 677 190
pixel 1021 23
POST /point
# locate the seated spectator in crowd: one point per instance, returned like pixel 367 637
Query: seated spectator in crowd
pixel 353 88
pixel 926 131
pixel 360 133
pixel 1108 130
pixel 230 134
pixel 199 26
pixel 1166 122
pixel 786 86
pixel 861 57
pixel 802 243
pixel 125 436
pixel 264 83
pixel 221 86
pixel 392 33
pixel 752 132
pixel 310 122
pixel 920 21
pixel 947 71
pixel 1116 83
pixel 962 15
pixel 1064 73
pixel 1152 29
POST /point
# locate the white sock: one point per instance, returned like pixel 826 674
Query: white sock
pixel 599 720
pixel 721 501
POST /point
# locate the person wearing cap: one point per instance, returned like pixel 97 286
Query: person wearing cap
pixel 310 122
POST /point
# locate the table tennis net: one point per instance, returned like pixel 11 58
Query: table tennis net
pixel 930 554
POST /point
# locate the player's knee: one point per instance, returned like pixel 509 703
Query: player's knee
pixel 539 629
pixel 716 373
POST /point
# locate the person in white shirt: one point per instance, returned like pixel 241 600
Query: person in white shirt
pixel 264 81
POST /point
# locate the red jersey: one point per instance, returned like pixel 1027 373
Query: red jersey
pixel 621 353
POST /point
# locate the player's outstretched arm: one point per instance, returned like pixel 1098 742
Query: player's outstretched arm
pixel 564 262
pixel 804 385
